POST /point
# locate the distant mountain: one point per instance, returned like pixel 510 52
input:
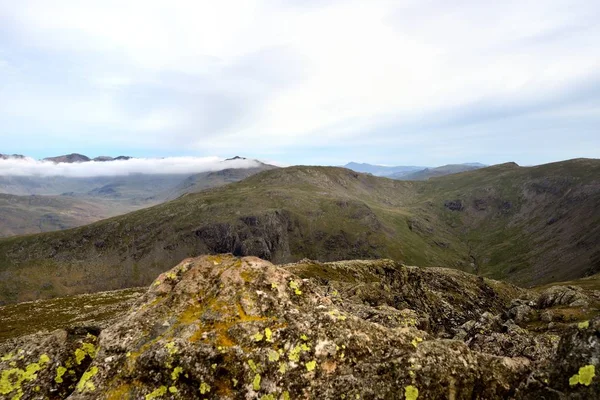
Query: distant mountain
pixel 427 173
pixel 76 158
pixel 34 204
pixel 107 158
pixel 11 156
pixel 526 225
pixel 69 158
pixel 205 180
pixel 381 170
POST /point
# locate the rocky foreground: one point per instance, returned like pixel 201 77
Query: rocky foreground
pixel 221 327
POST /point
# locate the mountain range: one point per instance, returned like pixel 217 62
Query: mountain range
pixel 412 173
pixel 33 204
pixel 526 225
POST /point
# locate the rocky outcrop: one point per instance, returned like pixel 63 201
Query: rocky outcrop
pixel 221 327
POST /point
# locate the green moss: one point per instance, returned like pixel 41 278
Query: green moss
pixel 584 377
pixel 85 384
pixel 411 392
pixel 268 397
pixel 285 395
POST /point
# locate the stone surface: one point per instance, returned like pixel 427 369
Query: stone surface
pixel 221 327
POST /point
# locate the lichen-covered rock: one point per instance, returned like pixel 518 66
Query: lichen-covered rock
pixel 563 296
pixel 46 366
pixel 221 327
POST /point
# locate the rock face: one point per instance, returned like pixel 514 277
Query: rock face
pixel 221 327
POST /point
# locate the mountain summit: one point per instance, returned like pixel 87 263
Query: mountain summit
pixel 221 327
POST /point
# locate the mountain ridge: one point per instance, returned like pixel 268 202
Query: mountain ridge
pixel 504 222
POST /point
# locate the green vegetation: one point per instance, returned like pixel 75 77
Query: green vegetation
pixel 525 225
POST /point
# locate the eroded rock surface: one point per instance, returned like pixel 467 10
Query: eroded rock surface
pixel 221 327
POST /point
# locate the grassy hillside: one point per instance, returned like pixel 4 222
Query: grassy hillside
pixel 21 215
pixel 525 225
pixel 87 200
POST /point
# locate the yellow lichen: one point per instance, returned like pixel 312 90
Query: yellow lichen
pixel 310 366
pixel 257 337
pixel 161 391
pixel 7 357
pixel 252 365
pixel 176 372
pixel 12 379
pixel 204 388
pixel 171 348
pixel 583 325
pixel 295 287
pixel 268 334
pixel 172 389
pixel 87 349
pixel 60 371
pixel 85 384
pixel 256 382
pixel 304 337
pixel 584 377
pixel 273 356
pixel 282 367
pixel 411 392
pixel 267 397
pixel 285 395
pixel 415 342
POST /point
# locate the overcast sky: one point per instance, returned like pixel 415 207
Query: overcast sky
pixel 302 81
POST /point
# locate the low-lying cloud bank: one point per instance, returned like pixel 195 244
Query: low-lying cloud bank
pixel 168 165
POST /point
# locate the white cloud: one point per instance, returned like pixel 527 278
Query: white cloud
pixel 265 76
pixel 169 165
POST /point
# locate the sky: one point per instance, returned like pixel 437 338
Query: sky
pixel 415 82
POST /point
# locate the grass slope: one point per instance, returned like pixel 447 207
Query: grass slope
pixel 525 225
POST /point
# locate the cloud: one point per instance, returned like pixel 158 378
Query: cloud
pixel 266 78
pixel 169 165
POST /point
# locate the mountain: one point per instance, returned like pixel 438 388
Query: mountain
pixel 205 180
pixel 36 204
pixel 381 170
pixel 21 215
pixel 222 327
pixel 11 156
pixel 76 158
pixel 529 226
pixel 69 158
pixel 427 173
pixel 107 158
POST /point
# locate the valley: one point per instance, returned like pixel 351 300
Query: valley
pixel 526 225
